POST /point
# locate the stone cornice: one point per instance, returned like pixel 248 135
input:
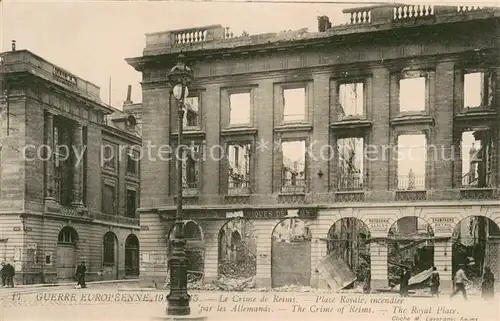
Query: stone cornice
pixel 51 86
pixel 447 205
pixel 122 135
pixel 260 44
pixel 331 63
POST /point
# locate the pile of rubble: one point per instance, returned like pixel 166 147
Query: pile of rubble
pixel 474 288
pixel 235 284
pixel 358 288
pixel 244 268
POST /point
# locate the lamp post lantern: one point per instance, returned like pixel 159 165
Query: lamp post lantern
pixel 179 77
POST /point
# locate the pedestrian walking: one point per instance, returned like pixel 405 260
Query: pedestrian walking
pixel 367 283
pixel 435 282
pixel 81 270
pixel 404 282
pixel 459 282
pixel 488 284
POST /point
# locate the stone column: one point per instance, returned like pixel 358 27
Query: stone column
pixel 49 164
pixel 321 133
pixel 378 255
pixel 496 137
pixel 77 165
pixel 443 135
pixel 443 263
pixel 263 231
pixel 319 229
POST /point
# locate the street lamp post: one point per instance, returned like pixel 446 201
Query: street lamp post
pixel 179 78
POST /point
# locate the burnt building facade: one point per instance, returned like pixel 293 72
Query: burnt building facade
pixel 67 194
pixel 308 126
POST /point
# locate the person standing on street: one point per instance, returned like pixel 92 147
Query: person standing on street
pixel 435 282
pixel 460 279
pixel 404 282
pixel 81 270
pixel 9 272
pixel 4 274
pixel 488 284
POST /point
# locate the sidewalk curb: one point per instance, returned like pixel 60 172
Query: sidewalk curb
pixel 51 285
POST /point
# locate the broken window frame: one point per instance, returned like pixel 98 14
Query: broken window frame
pixel 304 118
pixel 484 176
pixel 416 184
pixel 193 154
pixel 362 110
pixel 248 121
pixel 487 94
pixel 340 183
pixel 297 185
pixel 414 74
pixel 185 122
pixel 246 187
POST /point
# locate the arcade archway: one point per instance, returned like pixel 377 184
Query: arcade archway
pixel 194 249
pixel 132 255
pixel 237 249
pixel 476 244
pixel 66 253
pixel 291 253
pixel 410 244
pixel 348 250
pixel 110 255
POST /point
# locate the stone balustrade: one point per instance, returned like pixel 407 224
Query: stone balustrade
pixel 215 36
pixel 24 60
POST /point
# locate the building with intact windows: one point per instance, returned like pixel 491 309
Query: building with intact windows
pixel 69 180
pixel 367 123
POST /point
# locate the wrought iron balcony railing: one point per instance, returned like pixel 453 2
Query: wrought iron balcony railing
pixel 190 188
pixel 472 180
pixel 239 187
pixel 293 185
pixel 350 182
pixel 411 182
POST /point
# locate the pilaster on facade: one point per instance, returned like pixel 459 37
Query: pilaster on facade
pixel 49 163
pixel 79 149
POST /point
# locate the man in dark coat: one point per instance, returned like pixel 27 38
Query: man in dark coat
pixel 9 271
pixel 488 284
pixel 81 270
pixel 404 282
pixel 435 282
pixel 4 274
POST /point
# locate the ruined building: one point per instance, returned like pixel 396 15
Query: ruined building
pixel 368 125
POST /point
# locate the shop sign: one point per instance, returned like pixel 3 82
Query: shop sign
pixel 279 213
pixel 379 224
pixel 443 224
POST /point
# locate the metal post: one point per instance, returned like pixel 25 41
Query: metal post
pixel 178 298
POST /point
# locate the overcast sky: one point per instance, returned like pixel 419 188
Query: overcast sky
pixel 92 38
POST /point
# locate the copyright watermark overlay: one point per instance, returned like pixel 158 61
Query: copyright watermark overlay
pixel 197 151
